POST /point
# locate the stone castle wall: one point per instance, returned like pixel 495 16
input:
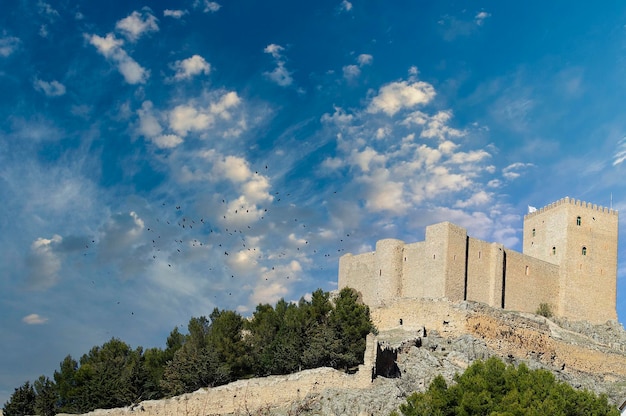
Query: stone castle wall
pixel 569 262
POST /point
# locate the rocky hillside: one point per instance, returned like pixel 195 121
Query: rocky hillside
pixel 586 356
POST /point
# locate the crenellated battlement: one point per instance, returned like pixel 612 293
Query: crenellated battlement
pixel 569 262
pixel 572 201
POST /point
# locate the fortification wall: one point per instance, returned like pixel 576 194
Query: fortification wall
pixel 573 240
pixel 485 262
pixel 388 260
pixel 455 260
pixel 420 273
pixel 417 314
pixel 357 271
pixel 530 282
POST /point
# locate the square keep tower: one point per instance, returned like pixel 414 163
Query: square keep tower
pixel 581 239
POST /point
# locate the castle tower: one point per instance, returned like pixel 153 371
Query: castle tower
pixel 581 239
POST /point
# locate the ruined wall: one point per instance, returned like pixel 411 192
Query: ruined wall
pixel 530 282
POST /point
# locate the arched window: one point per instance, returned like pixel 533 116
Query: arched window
pixel 578 221
pixel 554 250
pixel 534 232
pixel 584 251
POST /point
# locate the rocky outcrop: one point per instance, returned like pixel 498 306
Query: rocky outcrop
pixel 406 358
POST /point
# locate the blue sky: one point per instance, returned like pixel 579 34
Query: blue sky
pixel 160 159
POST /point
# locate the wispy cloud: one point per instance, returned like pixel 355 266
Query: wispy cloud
pixel 207 6
pixel 176 14
pixel 51 89
pixel 515 170
pixel 346 5
pixel 480 17
pixel 44 263
pixel 34 319
pixel 8 45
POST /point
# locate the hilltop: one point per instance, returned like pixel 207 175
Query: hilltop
pixel 450 337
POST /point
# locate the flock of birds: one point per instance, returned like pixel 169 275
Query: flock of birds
pixel 233 234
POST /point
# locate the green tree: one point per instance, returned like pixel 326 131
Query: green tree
pixel 350 319
pixel 67 385
pixel 155 362
pixel 46 397
pixel 110 376
pixel 194 364
pixel 225 339
pixel 492 388
pixel 22 401
pixel 261 332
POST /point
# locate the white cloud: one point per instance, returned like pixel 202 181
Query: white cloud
pixel 435 126
pixel 43 31
pixel 365 59
pixel 480 18
pixel 167 141
pixel 480 198
pixel 515 170
pixel 51 89
pixel 185 118
pixel 280 75
pixel 338 117
pixel 620 153
pixel 43 263
pixel 364 159
pixel 274 50
pixel 111 48
pixel 274 284
pixel 233 168
pixel 346 5
pixel 34 319
pixel 176 14
pixel 383 192
pixel 225 103
pixel 46 9
pixel 211 6
pixel 149 126
pixel 351 72
pixel 8 45
pixel 190 67
pixel 137 24
pixel 396 96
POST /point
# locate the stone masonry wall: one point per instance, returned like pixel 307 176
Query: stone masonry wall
pixel 530 282
pixel 554 268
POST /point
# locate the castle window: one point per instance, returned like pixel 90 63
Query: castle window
pixel 479 254
pixel 534 232
pixel 554 251
pixel 578 221
pixel 584 252
pixel 527 270
pixel 433 257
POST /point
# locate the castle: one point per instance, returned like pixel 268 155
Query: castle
pixel 569 262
